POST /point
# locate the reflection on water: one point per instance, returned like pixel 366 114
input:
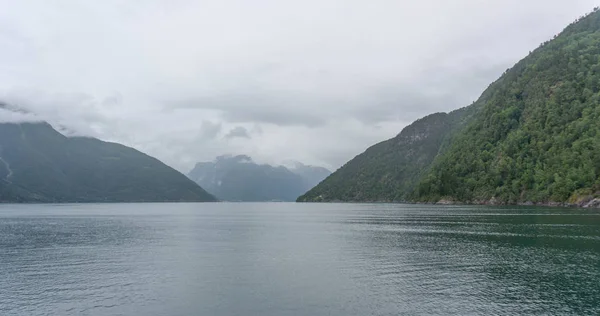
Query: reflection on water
pixel 297 259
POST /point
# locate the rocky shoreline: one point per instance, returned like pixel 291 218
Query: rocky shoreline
pixel 588 202
pixel 584 203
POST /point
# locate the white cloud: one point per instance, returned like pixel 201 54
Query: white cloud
pixel 314 81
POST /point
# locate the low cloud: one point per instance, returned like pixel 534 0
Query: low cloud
pixel 209 130
pixel 238 132
pixel 11 116
pixel 313 81
pixel 276 108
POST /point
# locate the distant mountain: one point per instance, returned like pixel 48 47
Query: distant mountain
pixel 238 178
pixel 312 175
pixel 532 137
pixel 39 164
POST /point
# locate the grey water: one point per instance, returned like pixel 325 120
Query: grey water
pixel 297 259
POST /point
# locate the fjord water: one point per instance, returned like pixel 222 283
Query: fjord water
pixel 297 259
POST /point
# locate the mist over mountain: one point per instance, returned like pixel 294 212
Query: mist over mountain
pixel 316 81
pixel 239 178
pixel 39 164
pixel 532 137
pixel 312 175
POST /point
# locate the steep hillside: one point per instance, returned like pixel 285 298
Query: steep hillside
pixel 533 136
pixel 389 170
pixel 537 138
pixel 38 164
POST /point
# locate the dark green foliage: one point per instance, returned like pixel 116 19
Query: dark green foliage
pixel 41 165
pixel 388 171
pixel 537 138
pixel 533 135
pixel 240 179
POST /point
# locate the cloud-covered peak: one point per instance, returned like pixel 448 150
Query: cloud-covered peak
pixel 315 81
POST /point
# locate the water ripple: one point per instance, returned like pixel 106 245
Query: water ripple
pixel 293 259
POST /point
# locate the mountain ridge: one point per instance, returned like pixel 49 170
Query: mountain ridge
pixel 41 165
pixel 239 178
pixel 481 159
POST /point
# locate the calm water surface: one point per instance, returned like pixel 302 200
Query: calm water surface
pixel 297 259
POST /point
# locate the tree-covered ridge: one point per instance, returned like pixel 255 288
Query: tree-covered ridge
pixel 533 135
pixel 38 164
pixel 538 137
pixel 388 171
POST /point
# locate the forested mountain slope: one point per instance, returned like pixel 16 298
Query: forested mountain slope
pixel 39 164
pixel 389 170
pixel 538 137
pixel 534 135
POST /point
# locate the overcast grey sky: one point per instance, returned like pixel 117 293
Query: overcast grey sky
pixel 317 81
